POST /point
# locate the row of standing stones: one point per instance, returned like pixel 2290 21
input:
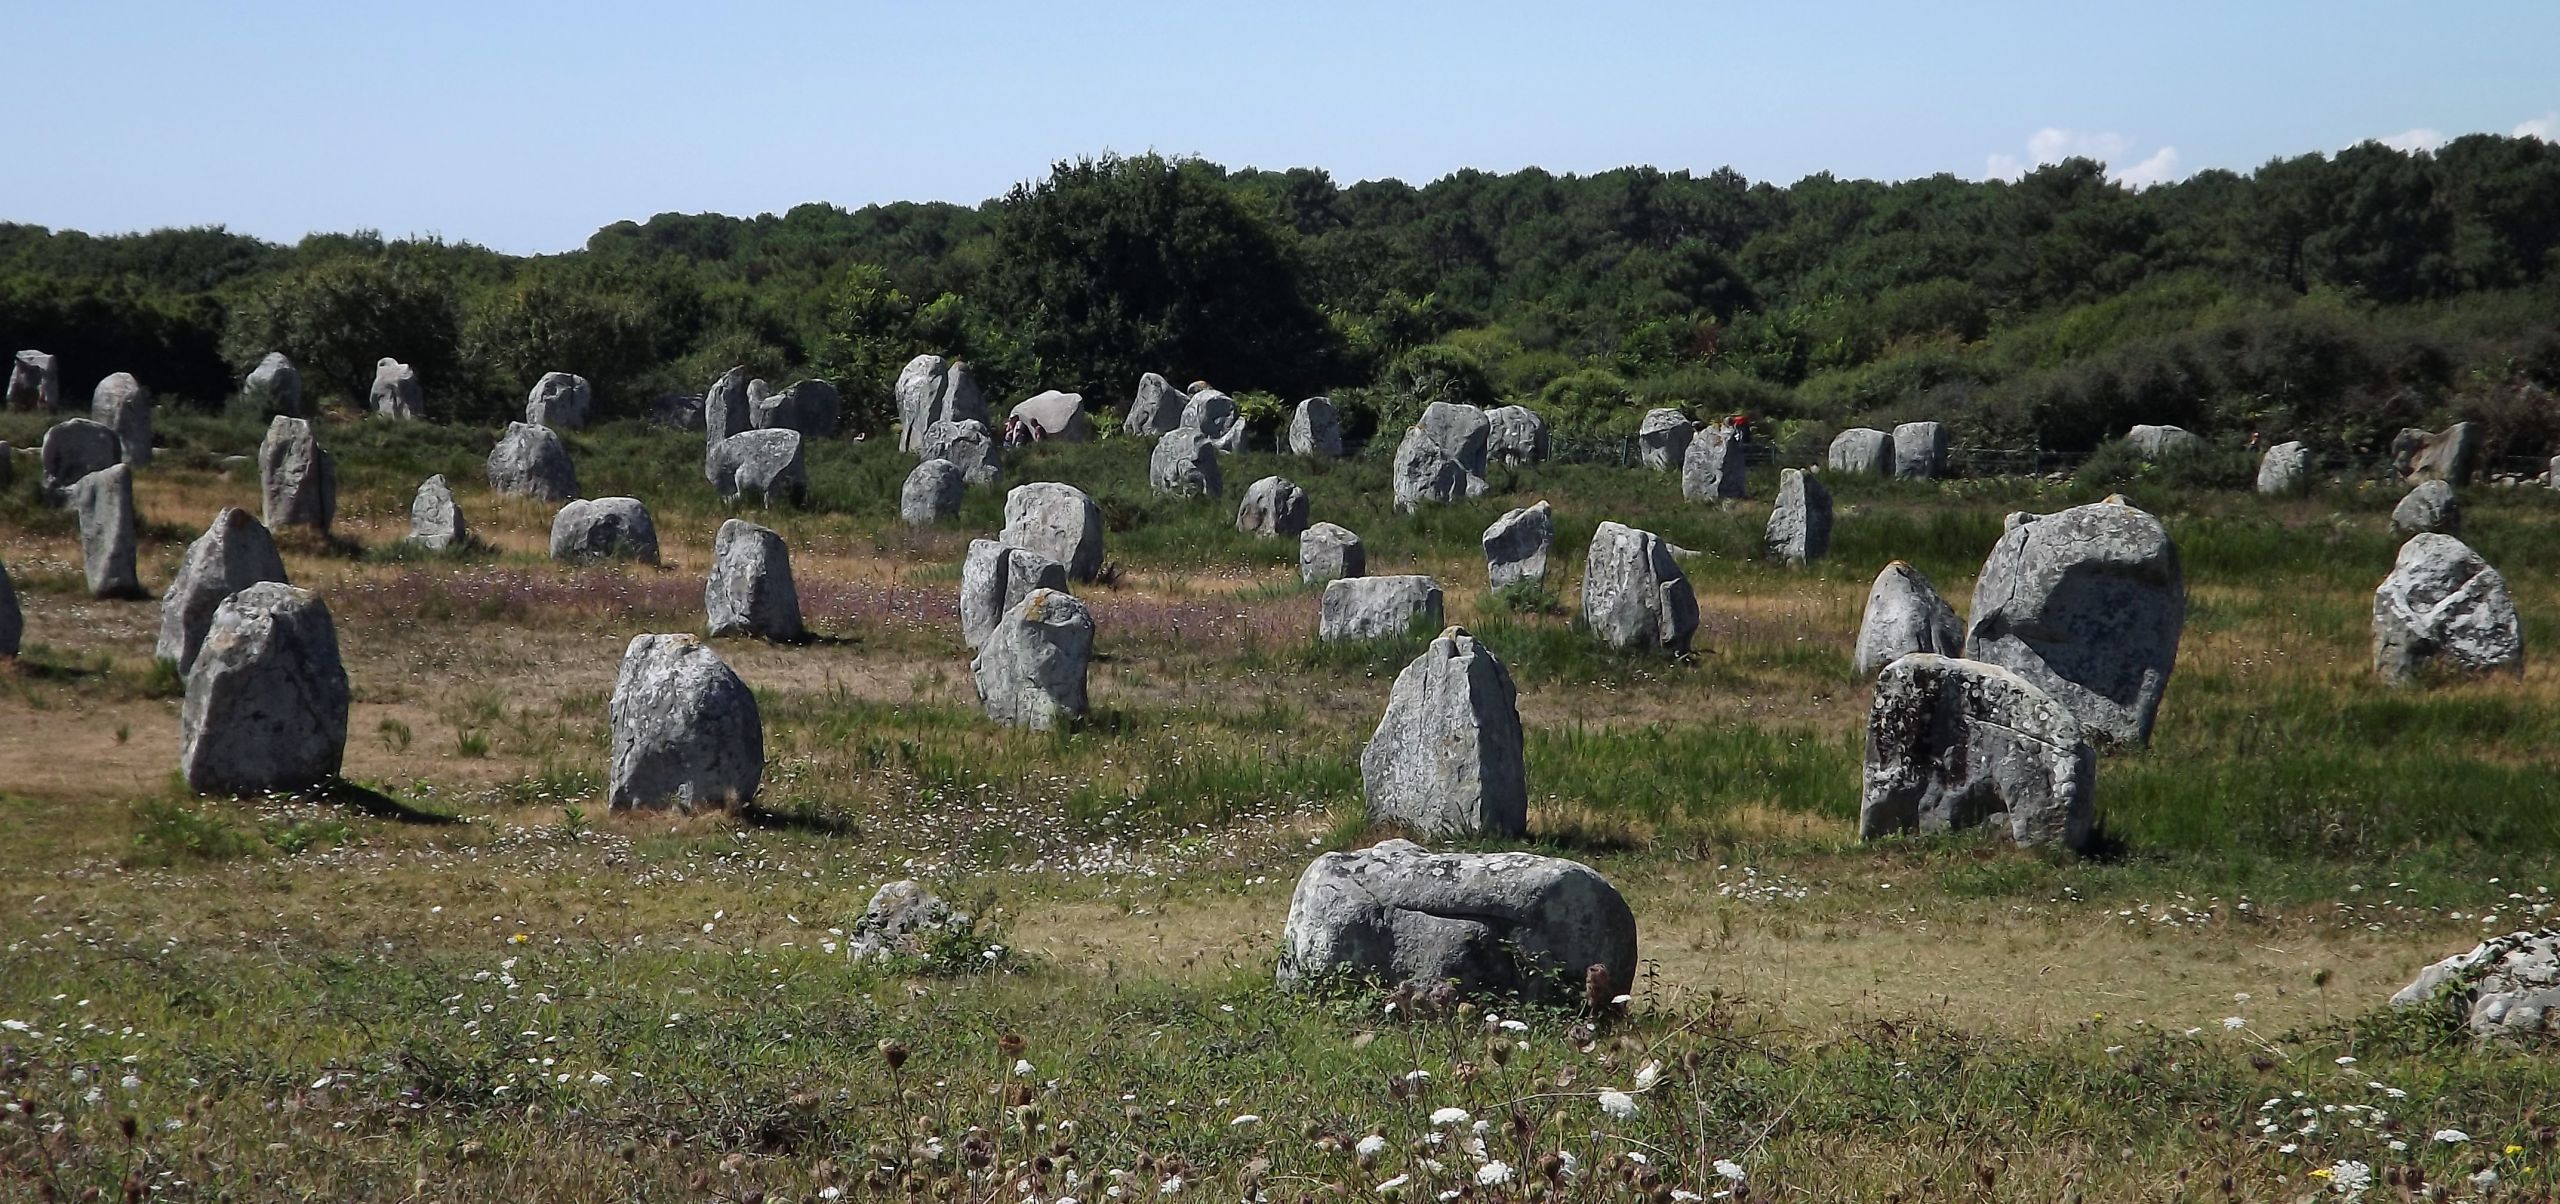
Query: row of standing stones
pixel 2077 617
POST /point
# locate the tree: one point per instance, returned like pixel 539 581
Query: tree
pixel 600 322
pixel 337 317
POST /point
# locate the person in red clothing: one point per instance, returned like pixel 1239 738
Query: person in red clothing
pixel 1739 426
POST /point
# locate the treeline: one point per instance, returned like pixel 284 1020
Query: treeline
pixel 2329 297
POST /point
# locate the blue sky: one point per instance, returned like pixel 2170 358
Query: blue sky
pixel 525 126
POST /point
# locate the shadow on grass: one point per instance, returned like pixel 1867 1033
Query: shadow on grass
pixel 378 805
pixel 809 820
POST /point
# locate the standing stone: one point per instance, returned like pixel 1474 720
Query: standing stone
pixel 396 392
pixel 932 493
pixel 2445 455
pixel 35 382
pixel 2160 444
pixel 274 386
pixel 1799 529
pixel 2286 468
pixel 1059 416
pixel 2550 476
pixel 1315 429
pixel 1904 615
pixel 931 390
pixel 1330 553
pixel 1920 451
pixel 2506 989
pixel 1184 464
pixel 1031 670
pixel 266 704
pixel 1714 469
pixel 1442 456
pixel 750 591
pixel 2429 507
pixel 1214 415
pixel 297 478
pixel 725 409
pixel 435 522
pixel 1662 442
pixel 1515 435
pixel 2444 606
pixel 1516 547
pixel 765 465
pixel 1633 596
pixel 811 407
pixel 560 401
pixel 1862 451
pixel 74 448
pixel 104 502
pixel 969 444
pixel 1274 508
pixel 12 624
pixel 995 577
pixel 122 405
pixel 1058 521
pixel 1956 744
pixel 602 528
pixel 530 461
pixel 1492 925
pixel 232 555
pixel 1446 758
pixel 686 732
pixel 1157 407
pixel 2087 605
pixel 1377 608
pixel 757 392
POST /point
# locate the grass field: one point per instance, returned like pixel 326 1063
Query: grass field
pixel 459 977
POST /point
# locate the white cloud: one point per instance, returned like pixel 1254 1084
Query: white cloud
pixel 2160 168
pixel 2545 127
pixel 2413 141
pixel 2053 145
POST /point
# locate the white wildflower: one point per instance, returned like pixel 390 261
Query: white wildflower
pixel 1022 1067
pixel 1246 1119
pixel 2452 1136
pixel 2349 1178
pixel 2234 1023
pixel 1650 1074
pixel 1450 1116
pixel 1370 1146
pixel 2485 1179
pixel 1618 1104
pixel 1389 1187
pixel 1170 1186
pixel 1729 1168
pixel 1493 1174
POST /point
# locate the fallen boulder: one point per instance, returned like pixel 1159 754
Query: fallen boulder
pixel 1490 924
pixel 1956 744
pixel 1373 608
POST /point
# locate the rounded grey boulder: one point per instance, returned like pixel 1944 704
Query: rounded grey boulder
pixel 1904 615
pixel 764 465
pixel 2088 605
pixel 396 392
pixel 1031 671
pixel 531 461
pixel 1492 924
pixel 2429 507
pixel 1662 440
pixel 297 478
pixel 104 502
pixel 1274 508
pixel 1862 450
pixel 1057 521
pixel 73 448
pixel 274 386
pixel 559 400
pixel 2444 607
pixel 1515 435
pixel 266 703
pixel 1330 553
pixel 1315 429
pixel 1633 595
pixel 1059 416
pixel 686 732
pixel 234 553
pixel 604 528
pixel 2159 443
pixel 1184 464
pixel 122 405
pixel 1442 456
pixel 750 591
pixel 1517 545
pixel 932 493
pixel 2506 989
pixel 968 443
pixel 1214 415
pixel 1799 530
pixel 1374 608
pixel 1715 468
pixel 1956 744
pixel 1446 759
pixel 1919 451
pixel 995 577
pixel 435 521
pixel 2286 468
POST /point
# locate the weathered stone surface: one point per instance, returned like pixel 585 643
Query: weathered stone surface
pixel 104 502
pixel 1059 416
pixel 2506 989
pixel 1442 456
pixel 560 401
pixel 2087 605
pixel 274 386
pixel 686 732
pixel 1315 429
pixel 603 528
pixel 35 382
pixel 757 392
pixel 1516 547
pixel 764 465
pixel 1156 409
pixel 2286 468
pixel 1514 435
pixel 1920 451
pixel 531 461
pixel 2159 444
pixel 396 392
pixel 969 444
pixel 233 554
pixel 1862 450
pixel 13 625
pixel 750 591
pixel 1799 530
pixel 902 918
pixel 122 405
pixel 1662 442
pixel 1715 468
pixel 74 448
pixel 1031 670
pixel 297 478
pixel 1955 744
pixel 435 521
pixel 2550 476
pixel 932 493
pixel 1184 463
pixel 1446 758
pixel 1904 615
pixel 1491 924
pixel 811 407
pixel 1214 415
pixel 1058 521
pixel 997 576
pixel 2447 455
pixel 1274 508
pixel 2443 607
pixel 1330 553
pixel 1370 608
pixel 266 704
pixel 932 390
pixel 2429 506
pixel 1633 596
pixel 726 410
